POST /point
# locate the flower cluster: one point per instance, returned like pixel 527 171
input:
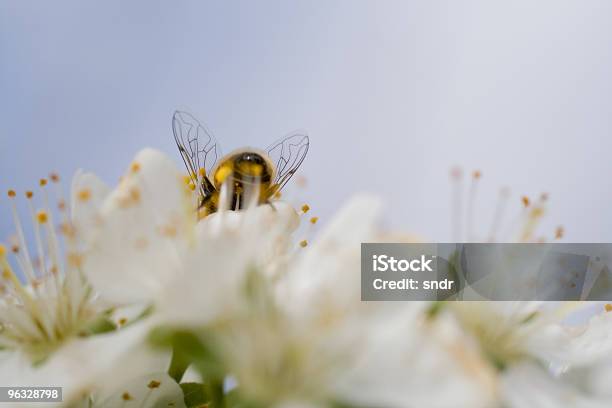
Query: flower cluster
pixel 125 297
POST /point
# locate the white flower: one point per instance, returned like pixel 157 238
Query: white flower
pixel 309 339
pixel 284 320
pixel 150 248
pixel 503 330
pixel 143 229
pixel 531 347
pixel 82 366
pixel 581 362
pixel 46 300
pixel 213 273
pixel 54 330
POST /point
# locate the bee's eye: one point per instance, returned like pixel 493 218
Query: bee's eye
pixel 252 158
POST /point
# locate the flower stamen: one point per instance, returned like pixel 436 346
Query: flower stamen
pixel 84 195
pixel 471 203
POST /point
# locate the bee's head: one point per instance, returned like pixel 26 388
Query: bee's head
pixel 253 164
pixel 249 158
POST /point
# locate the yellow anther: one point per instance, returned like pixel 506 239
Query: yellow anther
pixel 75 260
pixel 11 193
pixel 42 182
pixel 537 212
pixel 154 384
pixel 42 216
pixel 135 167
pixel 130 198
pixel 314 220
pixel 608 307
pixel 84 194
pixel 6 274
pixel 54 177
pixel 2 251
pixel 192 186
pixel 29 194
pixel 305 208
pixel 223 173
pixel 135 194
pixel 168 231
pixel 303 243
pixel 525 201
pixel 122 321
pixel 126 396
pixel 202 172
pixel 187 179
pixel 68 230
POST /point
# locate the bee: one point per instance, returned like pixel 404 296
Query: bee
pixel 249 176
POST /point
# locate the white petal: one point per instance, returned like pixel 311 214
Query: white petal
pixel 354 223
pixel 84 210
pixel 167 393
pixel 146 224
pixel 278 215
pixel 227 246
pixel 329 271
pixel 404 364
pixel 530 386
pixel 16 370
pixel 575 345
pixel 212 285
pixel 85 365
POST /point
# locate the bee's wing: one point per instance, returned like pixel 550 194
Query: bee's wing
pixel 287 154
pixel 197 145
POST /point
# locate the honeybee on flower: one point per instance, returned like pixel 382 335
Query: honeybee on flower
pixel 240 179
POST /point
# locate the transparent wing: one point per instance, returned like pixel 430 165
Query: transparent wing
pixel 287 155
pixel 198 147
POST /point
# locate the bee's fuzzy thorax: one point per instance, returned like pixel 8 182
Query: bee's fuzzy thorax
pixel 229 156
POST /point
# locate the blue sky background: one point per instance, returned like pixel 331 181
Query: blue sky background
pixel 393 93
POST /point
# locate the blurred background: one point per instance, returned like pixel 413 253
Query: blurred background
pixel 392 93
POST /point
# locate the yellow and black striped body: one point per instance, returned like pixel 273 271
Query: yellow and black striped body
pixel 244 172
